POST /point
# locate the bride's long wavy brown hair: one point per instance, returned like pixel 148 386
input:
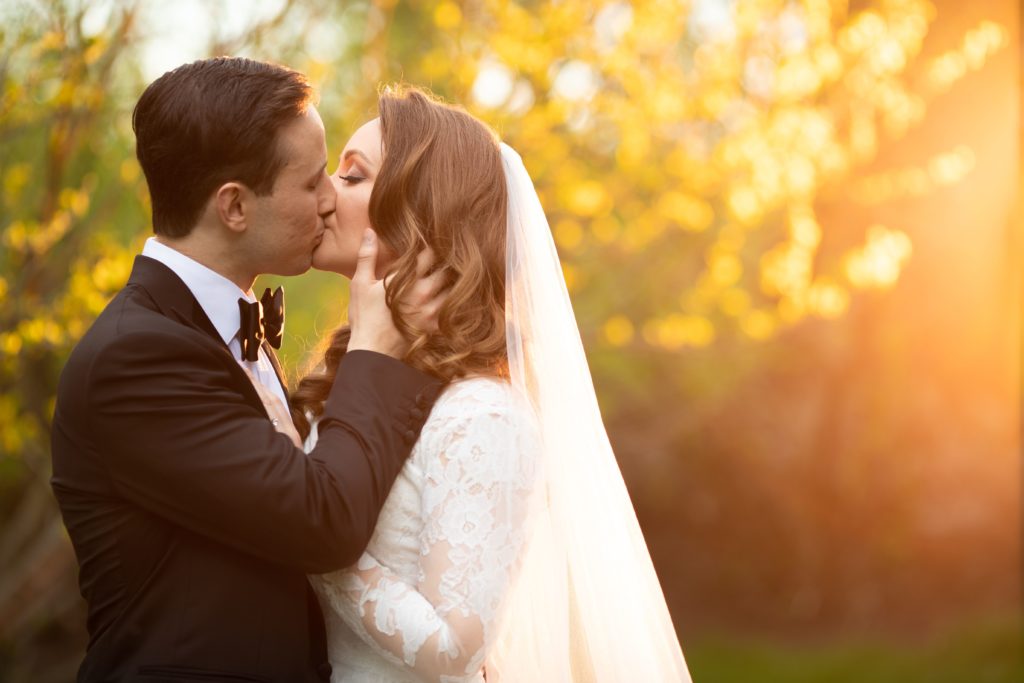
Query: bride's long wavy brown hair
pixel 441 184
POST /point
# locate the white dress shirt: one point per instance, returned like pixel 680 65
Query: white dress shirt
pixel 218 297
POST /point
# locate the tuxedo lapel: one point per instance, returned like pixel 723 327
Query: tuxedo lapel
pixel 269 350
pixel 171 295
pixel 174 300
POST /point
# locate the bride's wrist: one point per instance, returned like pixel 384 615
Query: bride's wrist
pixel 389 347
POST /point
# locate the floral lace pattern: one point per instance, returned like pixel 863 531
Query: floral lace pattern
pixel 426 594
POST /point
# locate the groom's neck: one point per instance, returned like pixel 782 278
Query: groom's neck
pixel 218 258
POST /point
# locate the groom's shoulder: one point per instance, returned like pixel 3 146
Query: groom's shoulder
pixel 131 322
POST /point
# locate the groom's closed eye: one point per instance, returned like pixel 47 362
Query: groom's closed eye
pixel 315 180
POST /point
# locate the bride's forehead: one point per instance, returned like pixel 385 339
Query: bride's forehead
pixel 367 139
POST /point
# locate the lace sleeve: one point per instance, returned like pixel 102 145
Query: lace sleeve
pixel 475 500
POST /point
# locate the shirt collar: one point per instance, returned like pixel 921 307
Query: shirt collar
pixel 217 295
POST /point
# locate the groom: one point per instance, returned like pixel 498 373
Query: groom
pixel 194 521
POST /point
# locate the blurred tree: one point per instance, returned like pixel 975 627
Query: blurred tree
pixel 71 201
pixel 685 147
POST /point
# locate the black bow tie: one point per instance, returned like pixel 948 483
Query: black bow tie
pixel 263 319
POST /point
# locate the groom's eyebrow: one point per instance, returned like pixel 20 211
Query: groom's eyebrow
pixel 319 171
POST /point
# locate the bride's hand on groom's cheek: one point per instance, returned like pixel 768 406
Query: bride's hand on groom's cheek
pixel 373 328
pixel 422 303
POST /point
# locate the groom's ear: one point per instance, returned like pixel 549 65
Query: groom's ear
pixel 230 202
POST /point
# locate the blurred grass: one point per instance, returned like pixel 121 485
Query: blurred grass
pixel 987 652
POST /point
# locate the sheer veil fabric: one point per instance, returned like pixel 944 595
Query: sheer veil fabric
pixel 586 586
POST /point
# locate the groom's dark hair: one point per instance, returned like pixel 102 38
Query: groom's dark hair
pixel 210 122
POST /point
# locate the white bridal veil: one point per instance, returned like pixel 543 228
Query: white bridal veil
pixel 587 586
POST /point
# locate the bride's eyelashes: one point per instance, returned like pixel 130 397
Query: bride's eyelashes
pixel 353 175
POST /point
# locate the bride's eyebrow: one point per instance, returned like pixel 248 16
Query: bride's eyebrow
pixel 355 152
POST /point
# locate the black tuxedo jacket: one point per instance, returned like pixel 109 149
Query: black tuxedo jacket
pixel 194 521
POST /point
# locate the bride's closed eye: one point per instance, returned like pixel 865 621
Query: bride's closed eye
pixel 352 179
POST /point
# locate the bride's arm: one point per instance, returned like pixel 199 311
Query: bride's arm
pixel 475 500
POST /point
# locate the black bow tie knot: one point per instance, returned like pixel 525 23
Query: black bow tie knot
pixel 263 319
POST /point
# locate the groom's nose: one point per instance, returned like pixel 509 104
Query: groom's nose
pixel 327 199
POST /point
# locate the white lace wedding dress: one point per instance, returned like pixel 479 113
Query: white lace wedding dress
pixel 422 602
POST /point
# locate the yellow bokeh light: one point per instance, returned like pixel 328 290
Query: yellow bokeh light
pixel 605 229
pixel 678 330
pixel 977 46
pixel 686 211
pixel 947 169
pixel 15 179
pixel 568 233
pixel 447 15
pixel 758 324
pixel 110 273
pixel 943 169
pixel 786 270
pixel 828 62
pixel 793 308
pixel 634 147
pixel 618 330
pixel 862 33
pixel 129 171
pixel 804 229
pixel 879 262
pixel 10 343
pixel 800 175
pixel 571 275
pixel 887 57
pixel 734 302
pixel 744 205
pixel 587 198
pixel 725 269
pixel 827 299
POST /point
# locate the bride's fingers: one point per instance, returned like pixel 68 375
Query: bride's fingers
pixel 424 262
pixel 434 283
pixel 424 315
pixel 366 263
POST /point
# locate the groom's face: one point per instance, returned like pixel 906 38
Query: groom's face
pixel 288 224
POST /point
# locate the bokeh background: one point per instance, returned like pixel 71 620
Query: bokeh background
pixel 789 230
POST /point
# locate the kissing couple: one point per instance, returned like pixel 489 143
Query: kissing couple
pixel 436 501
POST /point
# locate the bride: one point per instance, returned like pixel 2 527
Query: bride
pixel 508 549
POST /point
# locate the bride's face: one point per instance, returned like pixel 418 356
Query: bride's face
pixel 353 180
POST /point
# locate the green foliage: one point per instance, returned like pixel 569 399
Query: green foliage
pixel 989 652
pixel 72 195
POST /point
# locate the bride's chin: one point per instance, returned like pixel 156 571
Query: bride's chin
pixel 329 265
pixel 322 259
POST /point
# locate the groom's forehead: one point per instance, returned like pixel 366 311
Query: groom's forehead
pixel 301 142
